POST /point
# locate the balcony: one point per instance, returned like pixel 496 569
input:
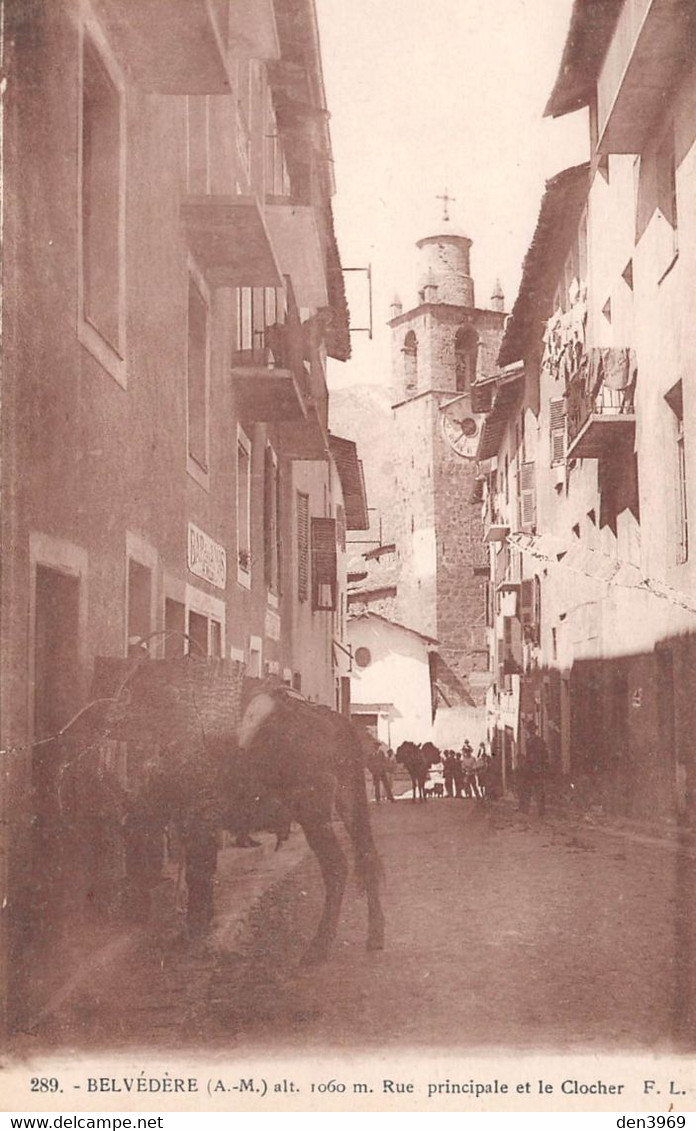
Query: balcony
pixel 268 385
pixel 652 41
pixel 170 46
pixel 252 32
pixel 306 439
pixel 229 240
pixel 495 531
pixel 297 245
pixel 601 418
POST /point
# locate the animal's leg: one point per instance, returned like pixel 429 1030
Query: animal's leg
pixel 334 869
pixel 201 863
pixel 353 812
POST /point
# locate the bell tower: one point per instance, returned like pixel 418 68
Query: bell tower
pixel 441 347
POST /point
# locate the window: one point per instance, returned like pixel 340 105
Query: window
pixel 302 546
pixel 245 331
pixel 675 401
pixel 205 624
pixel 197 144
pixel 277 180
pixel 465 353
pixel 197 377
pixel 243 509
pixel 410 352
pixel 257 309
pixel 216 639
pixel 197 635
pixel 244 111
pixel 271 520
pixel 324 564
pixel 175 627
pixel 139 605
pixel 102 325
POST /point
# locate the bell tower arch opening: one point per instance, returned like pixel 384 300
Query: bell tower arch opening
pixel 410 352
pixel 466 345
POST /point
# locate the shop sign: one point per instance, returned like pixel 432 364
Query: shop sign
pixel 206 558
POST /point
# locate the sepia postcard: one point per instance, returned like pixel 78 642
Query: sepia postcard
pixel 348 582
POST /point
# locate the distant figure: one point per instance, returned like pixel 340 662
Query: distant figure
pixel 448 772
pixel 470 768
pixel 483 765
pixel 533 772
pixel 380 767
pixel 458 774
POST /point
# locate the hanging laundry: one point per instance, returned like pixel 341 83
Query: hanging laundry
pixel 616 368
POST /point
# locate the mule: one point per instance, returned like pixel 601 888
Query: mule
pixel 411 756
pixel 301 762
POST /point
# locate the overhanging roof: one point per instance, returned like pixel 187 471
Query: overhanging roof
pixel 559 216
pixel 496 421
pixel 591 28
pixel 350 472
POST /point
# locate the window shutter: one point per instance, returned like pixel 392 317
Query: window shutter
pixel 527 498
pixel 278 533
pixel 302 546
pixel 324 565
pixel 512 648
pixel 558 430
pixel 341 527
pixel 268 532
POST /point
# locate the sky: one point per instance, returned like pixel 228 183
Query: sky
pixel 428 95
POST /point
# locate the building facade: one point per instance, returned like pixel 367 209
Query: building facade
pixel 172 291
pixel 589 482
pixel 392 691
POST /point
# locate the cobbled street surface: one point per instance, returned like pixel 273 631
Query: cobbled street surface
pixel 502 932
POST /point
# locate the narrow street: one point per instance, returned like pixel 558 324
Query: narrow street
pixel 501 931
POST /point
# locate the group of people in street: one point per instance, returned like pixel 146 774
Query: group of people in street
pixel 460 773
pixel 465 774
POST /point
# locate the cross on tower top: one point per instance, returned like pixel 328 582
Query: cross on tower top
pixel 446 201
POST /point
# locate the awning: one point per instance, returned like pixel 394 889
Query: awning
pixel 350 472
pixel 295 238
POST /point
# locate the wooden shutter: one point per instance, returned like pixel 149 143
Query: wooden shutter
pixel 278 532
pixel 302 546
pixel 558 430
pixel 267 517
pixel 527 498
pixel 512 647
pixel 341 527
pixel 324 564
pixel 530 601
